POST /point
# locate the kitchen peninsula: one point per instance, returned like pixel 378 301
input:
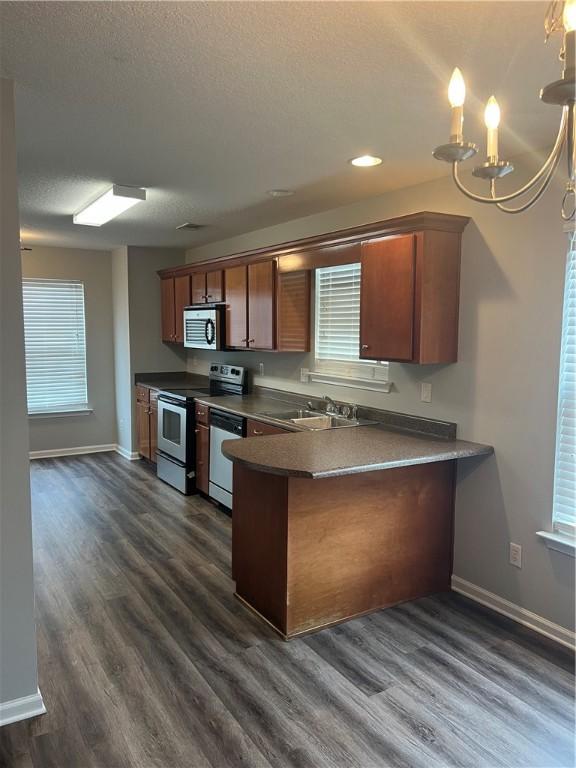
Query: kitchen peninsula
pixel 333 524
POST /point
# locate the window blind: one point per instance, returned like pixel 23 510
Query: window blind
pixel 55 338
pixel 565 469
pixel 337 324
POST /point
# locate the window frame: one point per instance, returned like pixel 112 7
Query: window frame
pixel 567 381
pixel 61 408
pixel 363 374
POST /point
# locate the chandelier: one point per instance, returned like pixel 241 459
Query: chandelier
pixel 560 16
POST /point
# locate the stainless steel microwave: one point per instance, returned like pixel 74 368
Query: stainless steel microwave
pixel 204 327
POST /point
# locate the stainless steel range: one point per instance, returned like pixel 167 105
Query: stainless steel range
pixel 176 459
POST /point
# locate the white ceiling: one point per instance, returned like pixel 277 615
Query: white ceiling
pixel 210 104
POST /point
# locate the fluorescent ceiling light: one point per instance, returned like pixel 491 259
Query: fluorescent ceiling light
pixel 109 205
pixel 366 161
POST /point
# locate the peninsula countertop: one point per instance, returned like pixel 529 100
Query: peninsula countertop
pixel 345 451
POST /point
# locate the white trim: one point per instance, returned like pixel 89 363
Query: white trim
pixel 561 542
pixel 512 611
pixel 53 452
pixel 126 454
pixel 351 382
pixel 84 411
pixel 21 709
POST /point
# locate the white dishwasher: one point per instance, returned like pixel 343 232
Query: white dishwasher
pixel 223 426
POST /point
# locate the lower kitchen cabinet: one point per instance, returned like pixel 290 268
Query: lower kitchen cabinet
pixel 147 422
pixel 256 428
pixel 202 457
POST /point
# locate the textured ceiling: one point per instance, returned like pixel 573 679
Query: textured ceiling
pixel 209 105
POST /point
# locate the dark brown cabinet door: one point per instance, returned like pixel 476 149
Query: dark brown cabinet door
pixel 198 291
pixel 181 300
pixel 202 457
pixel 168 316
pixel 387 299
pixel 236 286
pixel 256 428
pixel 143 428
pixel 261 305
pixel 214 286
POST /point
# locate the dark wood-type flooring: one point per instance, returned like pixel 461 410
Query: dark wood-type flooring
pixel 146 658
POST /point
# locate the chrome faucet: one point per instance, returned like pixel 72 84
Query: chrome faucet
pixel 331 407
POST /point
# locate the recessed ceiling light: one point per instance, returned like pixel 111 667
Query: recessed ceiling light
pixel 366 161
pixel 280 192
pixel 109 205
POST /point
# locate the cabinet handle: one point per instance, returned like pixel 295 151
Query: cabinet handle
pixel 365 346
pixel 256 433
pixel 200 463
pixel 243 340
pixel 250 341
pixel 197 431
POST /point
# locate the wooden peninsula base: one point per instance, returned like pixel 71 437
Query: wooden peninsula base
pixel 308 553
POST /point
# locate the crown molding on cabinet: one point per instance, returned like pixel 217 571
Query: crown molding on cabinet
pixel 413 222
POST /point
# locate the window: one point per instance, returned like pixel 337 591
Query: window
pixel 55 338
pixel 337 332
pixel 338 313
pixel 565 470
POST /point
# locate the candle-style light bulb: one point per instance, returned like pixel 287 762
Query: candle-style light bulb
pixel 457 89
pixel 569 15
pixel 456 97
pixel 492 121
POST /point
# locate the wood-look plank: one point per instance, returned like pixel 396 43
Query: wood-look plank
pixel 146 659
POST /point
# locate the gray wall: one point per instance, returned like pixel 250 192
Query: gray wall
pixel 121 322
pixel 18 673
pixel 137 328
pixel 503 390
pixel 94 268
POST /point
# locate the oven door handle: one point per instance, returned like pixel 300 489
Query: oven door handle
pixel 172 401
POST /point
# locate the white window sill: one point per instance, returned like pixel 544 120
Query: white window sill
pixel 342 380
pixel 561 542
pixel 60 414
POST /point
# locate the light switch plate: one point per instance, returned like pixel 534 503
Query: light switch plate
pixel 261 369
pixel 304 375
pixel 426 392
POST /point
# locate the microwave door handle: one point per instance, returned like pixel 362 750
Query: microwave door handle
pixel 210 332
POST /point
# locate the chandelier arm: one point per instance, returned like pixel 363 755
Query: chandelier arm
pixel 551 160
pixel 543 187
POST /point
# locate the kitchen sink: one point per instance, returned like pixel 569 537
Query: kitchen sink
pixel 314 420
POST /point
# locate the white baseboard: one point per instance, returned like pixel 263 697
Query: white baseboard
pixel 130 455
pixel 54 452
pixel 512 611
pixel 21 709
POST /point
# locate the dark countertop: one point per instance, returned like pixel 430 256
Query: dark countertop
pixel 346 451
pixel 176 380
pixel 251 406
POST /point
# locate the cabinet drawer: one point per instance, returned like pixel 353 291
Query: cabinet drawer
pixel 142 394
pixel 201 412
pixel 259 428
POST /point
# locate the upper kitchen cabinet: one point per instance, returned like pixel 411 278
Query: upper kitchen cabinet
pixel 207 287
pixel 409 298
pixel 250 305
pixel 175 295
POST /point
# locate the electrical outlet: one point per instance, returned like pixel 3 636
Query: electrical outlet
pixel 515 555
pixel 426 392
pixel 261 368
pixel 304 377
